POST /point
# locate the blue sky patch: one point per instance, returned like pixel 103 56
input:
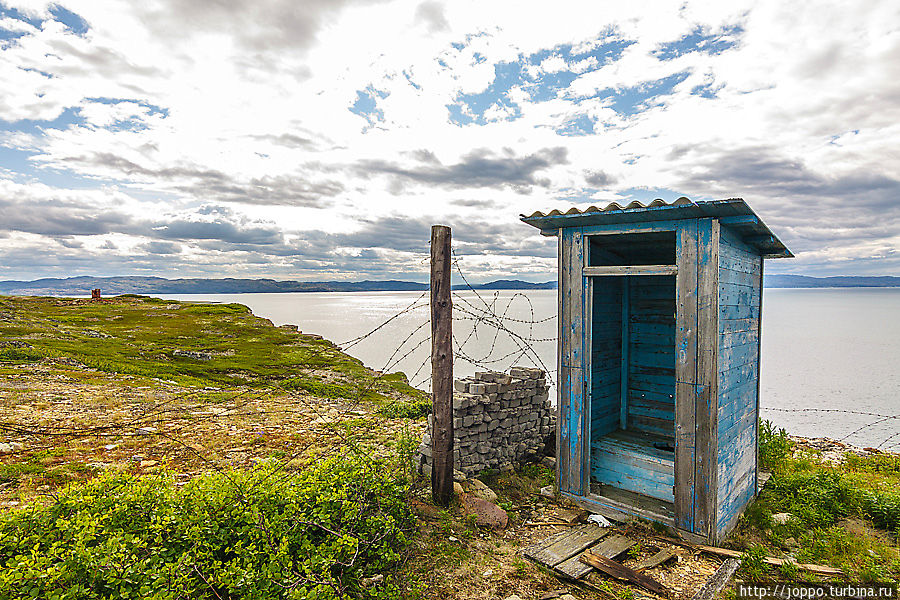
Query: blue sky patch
pixel 13 13
pixel 580 125
pixel 366 105
pixel 630 101
pixel 697 41
pixel 470 108
pixel 73 22
pixel 68 117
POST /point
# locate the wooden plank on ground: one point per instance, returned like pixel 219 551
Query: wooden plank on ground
pixel 529 551
pixel 621 572
pixel 775 562
pixel 610 547
pixel 718 581
pixel 657 559
pixel 566 546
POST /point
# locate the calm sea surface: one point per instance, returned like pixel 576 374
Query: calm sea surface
pixel 832 349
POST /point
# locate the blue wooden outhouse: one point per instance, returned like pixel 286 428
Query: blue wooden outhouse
pixel 658 372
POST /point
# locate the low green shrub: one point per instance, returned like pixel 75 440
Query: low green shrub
pixel 409 408
pixel 251 534
pixel 819 498
pixel 13 354
pixel 215 309
pixel 816 498
pixel 774 445
pixel 753 565
pixel 882 508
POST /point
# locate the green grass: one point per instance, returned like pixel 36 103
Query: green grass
pixel 140 335
pixel 19 355
pixel 847 516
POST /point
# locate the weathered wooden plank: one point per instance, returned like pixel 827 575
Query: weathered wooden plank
pixel 637 227
pixel 742 311
pixel 648 457
pixel 660 558
pixel 661 427
pixel 732 294
pixel 572 339
pixel 662 375
pixel 628 461
pixel 573 542
pixel 727 326
pixel 733 239
pixel 738 338
pixel 715 584
pixel 739 355
pixel 661 400
pixel 738 375
pixel 621 572
pixel 621 271
pixel 563 391
pixel 638 481
pixel 685 372
pixel 609 548
pixel 732 277
pixel 738 265
pixel 756 479
pixel 623 379
pixel 548 541
pixel 654 410
pixel 706 453
pixel 658 357
pixel 776 562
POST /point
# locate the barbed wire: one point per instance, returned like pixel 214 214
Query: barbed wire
pixel 412 306
pixel 881 419
pixel 490 320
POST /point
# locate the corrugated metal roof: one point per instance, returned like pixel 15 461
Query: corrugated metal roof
pixel 734 213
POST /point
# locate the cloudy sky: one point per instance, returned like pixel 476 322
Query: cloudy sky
pixel 320 139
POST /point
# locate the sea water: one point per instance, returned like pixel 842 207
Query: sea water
pixel 830 357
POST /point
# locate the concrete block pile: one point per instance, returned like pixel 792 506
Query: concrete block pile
pixel 499 420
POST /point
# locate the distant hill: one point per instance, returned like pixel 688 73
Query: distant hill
pixel 111 286
pixel 802 281
pixel 511 284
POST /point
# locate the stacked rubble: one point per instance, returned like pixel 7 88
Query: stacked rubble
pixel 498 420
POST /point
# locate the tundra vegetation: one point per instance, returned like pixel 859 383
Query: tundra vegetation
pixel 160 449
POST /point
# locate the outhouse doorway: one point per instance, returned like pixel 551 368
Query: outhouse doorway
pixel 631 390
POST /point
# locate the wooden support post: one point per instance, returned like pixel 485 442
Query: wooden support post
pixel 441 368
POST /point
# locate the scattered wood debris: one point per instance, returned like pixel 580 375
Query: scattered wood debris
pixel 660 558
pixel 623 573
pixel 610 547
pixel 562 546
pixel 775 562
pixel 718 581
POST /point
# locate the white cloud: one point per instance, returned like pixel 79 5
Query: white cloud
pixel 172 107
